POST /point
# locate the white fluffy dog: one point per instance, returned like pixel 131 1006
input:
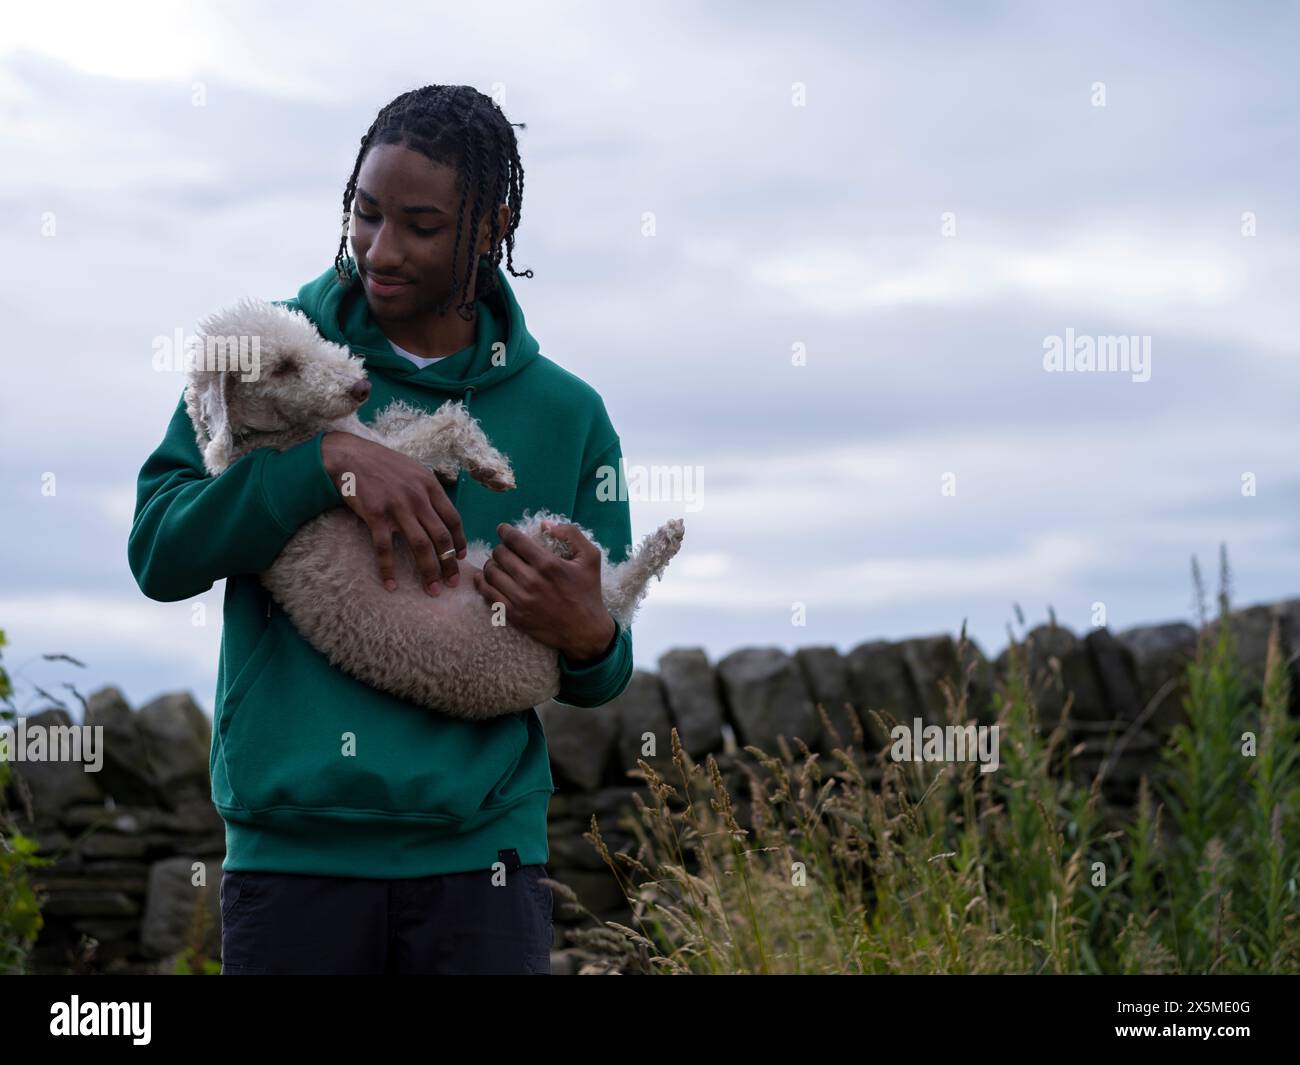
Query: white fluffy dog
pixel 442 652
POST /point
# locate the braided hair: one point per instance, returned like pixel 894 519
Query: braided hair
pixel 460 127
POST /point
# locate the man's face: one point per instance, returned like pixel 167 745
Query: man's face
pixel 403 231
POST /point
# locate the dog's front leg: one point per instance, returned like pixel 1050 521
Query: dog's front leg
pixel 449 440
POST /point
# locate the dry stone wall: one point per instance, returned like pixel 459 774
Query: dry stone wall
pixel 129 842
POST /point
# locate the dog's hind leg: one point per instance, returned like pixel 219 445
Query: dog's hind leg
pixel 624 585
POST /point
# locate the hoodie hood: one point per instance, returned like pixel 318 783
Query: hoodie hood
pixel 342 314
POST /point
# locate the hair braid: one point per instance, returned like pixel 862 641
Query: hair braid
pixel 472 177
pixel 516 193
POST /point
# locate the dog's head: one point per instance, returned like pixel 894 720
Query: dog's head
pixel 264 369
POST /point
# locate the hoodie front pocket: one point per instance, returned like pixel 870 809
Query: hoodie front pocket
pixel 301 734
pixel 222 790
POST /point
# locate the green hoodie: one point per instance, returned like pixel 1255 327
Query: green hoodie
pixel 314 771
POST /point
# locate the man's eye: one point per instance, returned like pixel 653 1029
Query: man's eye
pixel 368 217
pixel 427 232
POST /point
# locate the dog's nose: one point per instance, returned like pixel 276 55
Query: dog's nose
pixel 360 391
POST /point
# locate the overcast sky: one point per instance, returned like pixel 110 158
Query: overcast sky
pixel 867 228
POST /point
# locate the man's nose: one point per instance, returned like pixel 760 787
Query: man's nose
pixel 383 255
pixel 360 391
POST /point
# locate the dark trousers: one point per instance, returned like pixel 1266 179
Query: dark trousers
pixel 457 923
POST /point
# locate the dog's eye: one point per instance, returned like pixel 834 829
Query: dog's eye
pixel 285 368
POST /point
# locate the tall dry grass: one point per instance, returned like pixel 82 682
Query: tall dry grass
pixel 870 865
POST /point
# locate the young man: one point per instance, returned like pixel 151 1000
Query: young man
pixel 365 834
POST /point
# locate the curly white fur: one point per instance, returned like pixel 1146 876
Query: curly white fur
pixel 442 652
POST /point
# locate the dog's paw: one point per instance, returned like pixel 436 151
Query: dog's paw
pixel 497 478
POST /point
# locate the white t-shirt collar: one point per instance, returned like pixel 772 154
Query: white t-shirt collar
pixel 419 360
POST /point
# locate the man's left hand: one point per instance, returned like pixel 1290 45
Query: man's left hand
pixel 555 600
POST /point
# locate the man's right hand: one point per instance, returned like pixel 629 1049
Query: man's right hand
pixel 394 494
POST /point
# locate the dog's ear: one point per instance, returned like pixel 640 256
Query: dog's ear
pixel 207 400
